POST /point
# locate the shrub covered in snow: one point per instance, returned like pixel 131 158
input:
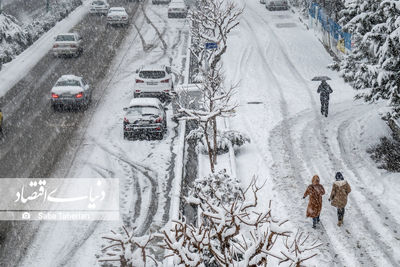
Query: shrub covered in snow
pixel 235 234
pixel 15 37
pixel 225 139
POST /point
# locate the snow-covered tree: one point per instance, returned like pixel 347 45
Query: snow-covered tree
pixel 211 22
pixel 374 63
pixel 216 101
pixel 235 233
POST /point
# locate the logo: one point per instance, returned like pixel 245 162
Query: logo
pixel 26 215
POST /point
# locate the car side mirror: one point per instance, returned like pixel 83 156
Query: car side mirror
pixel 168 69
pixel 137 71
pixel 125 109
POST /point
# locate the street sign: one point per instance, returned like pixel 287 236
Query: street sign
pixel 211 45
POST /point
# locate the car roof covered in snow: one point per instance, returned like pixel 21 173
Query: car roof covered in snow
pixel 145 101
pixel 152 67
pixel 117 9
pixel 68 77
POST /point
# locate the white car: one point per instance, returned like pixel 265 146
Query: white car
pixel 276 4
pixel 70 91
pixel 99 7
pixel 68 44
pixel 117 15
pixel 145 117
pixel 153 81
pixel 177 9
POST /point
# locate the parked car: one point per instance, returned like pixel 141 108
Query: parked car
pixel 153 81
pixel 276 4
pixel 67 44
pixel 1 121
pixel 70 91
pixel 145 117
pixel 99 7
pixel 158 2
pixel 177 9
pixel 262 1
pixel 117 15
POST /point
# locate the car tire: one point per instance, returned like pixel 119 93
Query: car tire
pixel 135 95
pixel 126 135
pixel 55 107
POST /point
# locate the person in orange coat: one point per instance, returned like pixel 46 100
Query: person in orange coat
pixel 315 192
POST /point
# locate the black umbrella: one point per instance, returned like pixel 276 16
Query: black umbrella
pixel 321 78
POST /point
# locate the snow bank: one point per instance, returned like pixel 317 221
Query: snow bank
pixel 15 70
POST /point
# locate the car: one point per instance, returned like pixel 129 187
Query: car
pixel 67 44
pixel 1 121
pixel 99 7
pixel 117 15
pixel 158 2
pixel 70 91
pixel 276 4
pixel 177 9
pixel 262 1
pixel 153 81
pixel 145 117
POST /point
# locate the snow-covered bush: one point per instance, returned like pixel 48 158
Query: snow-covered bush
pixel 127 250
pixel 235 234
pixel 15 36
pixel 218 187
pixel 225 139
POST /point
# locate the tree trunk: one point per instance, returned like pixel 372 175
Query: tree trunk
pixel 210 150
pixel 215 150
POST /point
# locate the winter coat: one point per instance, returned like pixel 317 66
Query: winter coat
pixel 315 192
pixel 340 190
pixel 324 90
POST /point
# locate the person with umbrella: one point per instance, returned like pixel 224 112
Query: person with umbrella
pixel 324 90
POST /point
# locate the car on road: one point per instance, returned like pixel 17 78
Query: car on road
pixel 160 2
pixel 276 4
pixel 67 44
pixel 99 7
pixel 70 91
pixel 1 121
pixel 117 16
pixel 177 9
pixel 145 117
pixel 153 81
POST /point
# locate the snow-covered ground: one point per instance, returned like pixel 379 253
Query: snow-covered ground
pixel 274 58
pixel 144 168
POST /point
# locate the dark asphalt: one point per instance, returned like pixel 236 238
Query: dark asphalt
pixel 35 137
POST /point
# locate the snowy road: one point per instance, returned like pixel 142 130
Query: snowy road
pixel 276 57
pixel 145 168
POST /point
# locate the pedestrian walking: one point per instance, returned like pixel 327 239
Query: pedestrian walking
pixel 338 198
pixel 314 191
pixel 324 90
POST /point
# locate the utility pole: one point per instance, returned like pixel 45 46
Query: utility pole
pixel 1 6
pixel 47 5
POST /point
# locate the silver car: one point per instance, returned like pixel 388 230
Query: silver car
pixel 67 44
pixel 99 7
pixel 144 117
pixel 117 15
pixel 177 9
pixel 70 91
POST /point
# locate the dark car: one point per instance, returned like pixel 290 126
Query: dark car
pixel 144 118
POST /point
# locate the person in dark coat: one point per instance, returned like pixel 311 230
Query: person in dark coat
pixel 324 90
pixel 338 198
pixel 315 192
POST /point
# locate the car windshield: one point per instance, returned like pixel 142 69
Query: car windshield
pixel 99 3
pixel 143 111
pixel 65 38
pixel 68 83
pixel 152 74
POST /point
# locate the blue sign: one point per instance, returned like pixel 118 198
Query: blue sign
pixel 211 45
